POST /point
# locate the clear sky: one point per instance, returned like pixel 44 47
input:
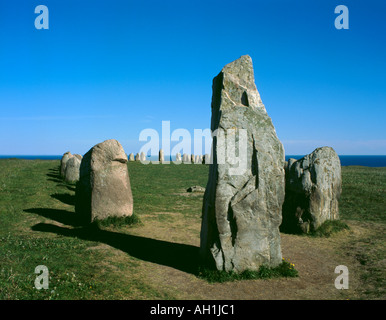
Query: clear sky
pixel 109 69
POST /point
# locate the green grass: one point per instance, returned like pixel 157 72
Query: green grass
pixel 285 269
pixel 328 228
pixel 364 194
pixel 133 220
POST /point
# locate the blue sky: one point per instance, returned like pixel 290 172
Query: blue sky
pixel 109 69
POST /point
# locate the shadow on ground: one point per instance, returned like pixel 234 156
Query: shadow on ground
pixel 179 256
pixel 66 198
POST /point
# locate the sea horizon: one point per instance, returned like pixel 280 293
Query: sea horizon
pixel 346 160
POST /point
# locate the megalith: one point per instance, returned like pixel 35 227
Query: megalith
pixel 104 187
pixel 63 162
pixel 242 207
pixel 312 191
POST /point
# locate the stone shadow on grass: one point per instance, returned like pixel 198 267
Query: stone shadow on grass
pixel 66 198
pixel 176 255
pixel 62 216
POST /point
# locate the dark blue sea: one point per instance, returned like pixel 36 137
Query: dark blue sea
pixel 367 161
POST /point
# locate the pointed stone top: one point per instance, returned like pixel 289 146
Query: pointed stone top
pixel 241 68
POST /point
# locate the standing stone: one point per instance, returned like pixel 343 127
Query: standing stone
pixel 131 157
pixel 242 212
pixel 104 187
pixel 80 157
pixel 63 163
pixel 178 157
pixel 142 156
pixel 313 188
pixel 206 159
pixel 186 158
pixel 72 169
pixel 137 157
pixel 161 157
pixel 192 159
pixel 197 160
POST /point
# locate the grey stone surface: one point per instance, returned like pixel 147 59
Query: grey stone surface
pixel 313 189
pixel 72 169
pixel 242 212
pixel 80 157
pixel 104 187
pixel 68 155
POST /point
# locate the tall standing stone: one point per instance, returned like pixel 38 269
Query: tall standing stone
pixel 142 156
pixel 131 157
pixel 242 212
pixel 137 157
pixel 104 187
pixel 313 188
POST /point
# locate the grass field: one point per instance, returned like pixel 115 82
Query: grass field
pixel 157 258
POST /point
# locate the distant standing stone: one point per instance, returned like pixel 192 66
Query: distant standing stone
pixel 104 187
pixel 186 158
pixel 206 159
pixel 161 156
pixel 142 156
pixel 131 157
pixel 242 212
pixel 178 157
pixel 313 189
pixel 63 163
pixel 72 169
pixel 137 157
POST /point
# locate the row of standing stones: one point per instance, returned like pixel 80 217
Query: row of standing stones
pixel 241 214
pixel 185 158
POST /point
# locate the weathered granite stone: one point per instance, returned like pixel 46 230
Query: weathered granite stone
pixel 142 156
pixel 63 163
pixel 313 188
pixel 72 169
pixel 178 157
pixel 137 157
pixel 131 157
pixel 104 187
pixel 242 207
pixel 197 160
pixel 80 157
